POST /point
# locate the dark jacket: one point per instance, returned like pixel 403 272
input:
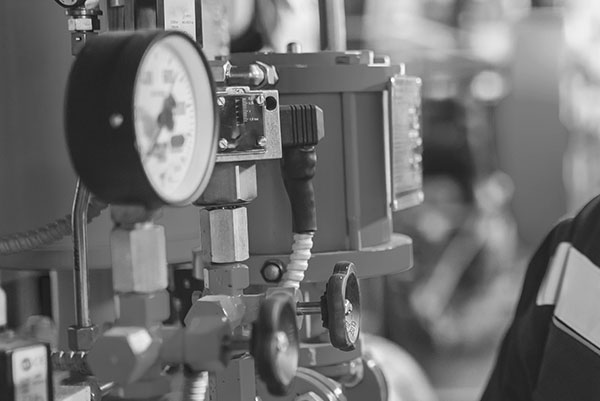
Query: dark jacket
pixel 538 360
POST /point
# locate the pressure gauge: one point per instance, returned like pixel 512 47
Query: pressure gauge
pixel 141 118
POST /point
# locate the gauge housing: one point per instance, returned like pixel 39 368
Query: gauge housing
pixel 100 119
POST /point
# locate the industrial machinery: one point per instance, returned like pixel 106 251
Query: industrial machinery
pixel 152 124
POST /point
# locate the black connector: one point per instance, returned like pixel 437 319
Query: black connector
pixel 301 129
pixel 301 125
pixel 298 167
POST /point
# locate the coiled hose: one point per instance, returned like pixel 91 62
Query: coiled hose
pixel 195 386
pixel 299 258
pixel 48 234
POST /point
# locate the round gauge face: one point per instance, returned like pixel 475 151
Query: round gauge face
pixel 174 119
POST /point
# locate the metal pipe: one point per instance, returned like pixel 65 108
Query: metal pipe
pixel 332 18
pixel 308 308
pixel 79 217
pixel 106 388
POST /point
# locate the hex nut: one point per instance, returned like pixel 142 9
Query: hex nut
pixel 227 279
pixel 220 70
pixel 123 354
pixel 81 338
pixel 230 183
pixel 231 309
pixel 224 235
pixel 139 258
pixel 205 344
pixel 237 380
pixel 138 309
pixel 271 75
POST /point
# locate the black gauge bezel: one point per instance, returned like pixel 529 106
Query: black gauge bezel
pixel 101 86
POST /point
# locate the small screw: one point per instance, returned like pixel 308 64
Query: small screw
pixel 221 101
pixel 262 141
pixel 294 47
pixel 223 143
pixel 115 120
pixel 260 99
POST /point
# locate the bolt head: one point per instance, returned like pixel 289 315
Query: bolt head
pixel 221 101
pixel 262 141
pixel 260 99
pixel 123 354
pixel 272 272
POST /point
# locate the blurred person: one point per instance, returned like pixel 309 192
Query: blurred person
pixel 551 351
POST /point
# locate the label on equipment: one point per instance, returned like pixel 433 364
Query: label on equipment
pixel 181 15
pixel 30 373
pixel 406 142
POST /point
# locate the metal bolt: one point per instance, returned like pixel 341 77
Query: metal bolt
pixel 223 143
pixel 262 141
pixel 115 120
pixel 294 47
pixel 282 343
pixel 260 99
pixel 221 101
pixel 348 307
pixel 272 271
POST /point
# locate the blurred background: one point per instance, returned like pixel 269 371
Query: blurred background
pixel 511 138
pixel 510 147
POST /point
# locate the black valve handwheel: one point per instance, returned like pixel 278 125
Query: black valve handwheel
pixel 275 343
pixel 340 307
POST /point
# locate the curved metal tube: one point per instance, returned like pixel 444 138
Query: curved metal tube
pixel 79 222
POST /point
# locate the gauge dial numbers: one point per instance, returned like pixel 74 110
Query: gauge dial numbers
pixel 161 113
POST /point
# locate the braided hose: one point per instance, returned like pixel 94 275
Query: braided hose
pixel 46 235
pixel 195 386
pixel 299 258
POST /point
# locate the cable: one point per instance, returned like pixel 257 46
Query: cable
pixel 47 234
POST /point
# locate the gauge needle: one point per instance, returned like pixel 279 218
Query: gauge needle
pixel 164 120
